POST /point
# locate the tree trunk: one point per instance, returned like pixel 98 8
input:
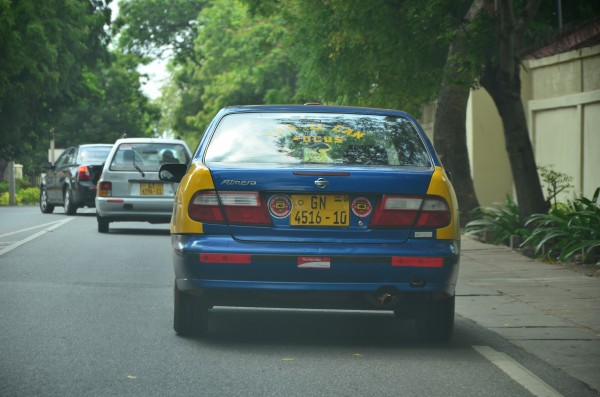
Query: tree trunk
pixel 3 164
pixel 506 94
pixel 451 144
pixel 450 136
pixel 502 80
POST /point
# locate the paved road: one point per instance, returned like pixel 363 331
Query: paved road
pixel 83 313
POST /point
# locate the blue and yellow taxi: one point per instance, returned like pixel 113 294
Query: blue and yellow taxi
pixel 313 206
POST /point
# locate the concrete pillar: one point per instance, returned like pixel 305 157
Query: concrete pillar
pixel 12 185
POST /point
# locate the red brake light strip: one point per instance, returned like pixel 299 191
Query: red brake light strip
pixel 413 261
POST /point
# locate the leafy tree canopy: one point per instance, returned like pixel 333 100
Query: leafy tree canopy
pixel 159 27
pixel 388 53
pixel 58 77
pixel 384 54
pixel 113 106
pixel 245 60
pixel 45 50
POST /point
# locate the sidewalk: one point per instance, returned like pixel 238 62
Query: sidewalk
pixel 548 310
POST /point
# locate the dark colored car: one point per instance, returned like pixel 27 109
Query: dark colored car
pixel 71 181
pixel 315 207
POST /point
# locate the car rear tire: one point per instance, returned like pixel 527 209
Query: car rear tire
pixel 190 315
pixel 102 225
pixel 436 321
pixel 45 207
pixel 70 207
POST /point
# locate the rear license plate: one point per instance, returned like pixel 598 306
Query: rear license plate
pixel 151 188
pixel 319 210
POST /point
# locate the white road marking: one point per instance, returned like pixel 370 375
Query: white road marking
pixel 517 372
pixel 16 244
pixel 29 228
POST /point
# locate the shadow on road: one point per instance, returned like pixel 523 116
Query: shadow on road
pixel 138 231
pixel 236 327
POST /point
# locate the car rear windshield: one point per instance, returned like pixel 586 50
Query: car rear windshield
pixel 317 138
pixel 93 154
pixel 147 156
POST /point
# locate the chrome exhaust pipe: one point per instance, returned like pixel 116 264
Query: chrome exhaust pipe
pixel 386 296
pixel 385 299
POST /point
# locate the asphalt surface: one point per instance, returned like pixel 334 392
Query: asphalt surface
pixel 548 310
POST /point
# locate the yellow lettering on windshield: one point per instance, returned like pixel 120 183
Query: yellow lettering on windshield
pixel 318 139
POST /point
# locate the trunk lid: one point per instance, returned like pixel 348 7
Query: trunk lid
pixel 323 200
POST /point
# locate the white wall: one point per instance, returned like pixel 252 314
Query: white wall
pixel 561 96
pixel 564 116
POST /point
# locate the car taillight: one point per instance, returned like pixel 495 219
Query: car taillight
pixel 204 207
pixel 434 213
pixel 407 211
pixel 104 189
pixel 83 173
pixel 234 207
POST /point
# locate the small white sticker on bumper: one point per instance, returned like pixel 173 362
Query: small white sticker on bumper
pixel 314 262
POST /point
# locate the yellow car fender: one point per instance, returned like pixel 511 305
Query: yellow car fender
pixel 197 178
pixel 440 185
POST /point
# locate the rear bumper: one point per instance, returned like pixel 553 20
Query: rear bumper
pixel 358 275
pixel 84 194
pixel 154 210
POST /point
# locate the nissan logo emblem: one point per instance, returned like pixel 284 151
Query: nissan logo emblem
pixel 322 183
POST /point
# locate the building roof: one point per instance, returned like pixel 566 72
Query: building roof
pixel 584 35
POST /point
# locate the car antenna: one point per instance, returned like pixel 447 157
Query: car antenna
pixel 124 135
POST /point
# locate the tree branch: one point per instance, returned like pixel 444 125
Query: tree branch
pixel 506 50
pixel 527 16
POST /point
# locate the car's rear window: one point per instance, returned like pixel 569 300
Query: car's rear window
pixel 92 154
pixel 147 156
pixel 317 138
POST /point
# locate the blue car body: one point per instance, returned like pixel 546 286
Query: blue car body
pixel 315 207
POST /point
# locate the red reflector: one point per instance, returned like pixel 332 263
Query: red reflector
pixel 415 261
pixel 238 259
pixel 118 201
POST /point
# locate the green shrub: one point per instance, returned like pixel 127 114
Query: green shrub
pixel 20 184
pixel 567 231
pixel 555 183
pixel 29 196
pixel 500 223
pixel 23 183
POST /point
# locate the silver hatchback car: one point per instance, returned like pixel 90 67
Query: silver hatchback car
pixel 129 188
